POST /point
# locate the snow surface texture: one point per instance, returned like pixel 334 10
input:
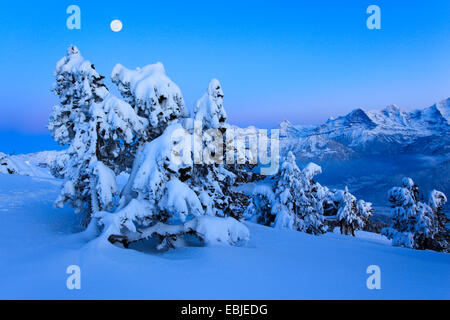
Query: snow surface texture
pixel 39 243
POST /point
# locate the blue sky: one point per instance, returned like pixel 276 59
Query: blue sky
pixel 297 60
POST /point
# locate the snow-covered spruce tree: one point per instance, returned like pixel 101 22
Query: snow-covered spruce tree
pixel 352 214
pixel 212 178
pixel 95 125
pixel 102 130
pixel 298 199
pixel 441 240
pixel 153 96
pixel 58 164
pixel 312 200
pixel 164 205
pixel 209 110
pixel 416 224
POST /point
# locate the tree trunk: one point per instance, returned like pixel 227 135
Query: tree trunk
pixel 94 199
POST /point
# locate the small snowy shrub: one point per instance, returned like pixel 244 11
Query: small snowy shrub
pixel 260 208
pixel 352 214
pixel 58 164
pixel 296 202
pixel 6 166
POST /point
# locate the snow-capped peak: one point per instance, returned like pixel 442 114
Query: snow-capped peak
pixel 392 111
pixel 359 117
pixel 444 108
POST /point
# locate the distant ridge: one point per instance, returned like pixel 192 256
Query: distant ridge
pixel 361 132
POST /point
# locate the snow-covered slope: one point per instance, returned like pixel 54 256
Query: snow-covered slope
pixel 387 131
pixel 316 148
pixel 39 243
pixel 32 164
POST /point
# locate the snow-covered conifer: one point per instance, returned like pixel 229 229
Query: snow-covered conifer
pixel 78 85
pixel 213 178
pixel 165 196
pixel 152 94
pixel 416 224
pixel 298 199
pixel 58 164
pixel 287 190
pixel 164 205
pixel 441 241
pixel 260 207
pixel 209 108
pixel 97 126
pixel 352 214
pixel 299 203
pixel 311 201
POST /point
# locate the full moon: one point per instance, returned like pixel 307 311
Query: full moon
pixel 116 25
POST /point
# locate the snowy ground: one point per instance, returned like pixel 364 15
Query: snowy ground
pixel 32 164
pixel 39 243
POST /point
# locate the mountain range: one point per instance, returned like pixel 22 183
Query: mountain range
pixel 360 133
pixel 387 132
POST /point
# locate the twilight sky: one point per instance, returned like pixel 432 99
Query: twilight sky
pixel 297 60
